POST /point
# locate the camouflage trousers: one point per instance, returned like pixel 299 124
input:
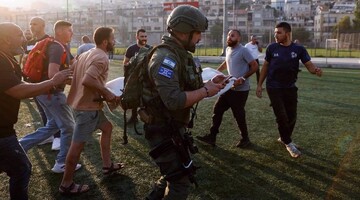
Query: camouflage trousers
pixel 168 162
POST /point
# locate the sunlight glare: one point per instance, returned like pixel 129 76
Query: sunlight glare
pixel 16 3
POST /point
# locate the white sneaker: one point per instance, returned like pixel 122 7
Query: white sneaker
pixel 294 152
pixel 279 140
pixel 46 141
pixel 60 168
pixel 55 144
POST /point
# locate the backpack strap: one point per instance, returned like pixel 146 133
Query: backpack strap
pixel 63 57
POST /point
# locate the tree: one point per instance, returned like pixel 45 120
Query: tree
pixel 356 20
pixel 301 34
pixel 216 32
pixel 343 25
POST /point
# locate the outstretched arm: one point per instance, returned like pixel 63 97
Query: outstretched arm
pixel 26 90
pixel 313 69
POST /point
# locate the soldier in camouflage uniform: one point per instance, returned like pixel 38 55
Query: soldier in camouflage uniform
pixel 174 86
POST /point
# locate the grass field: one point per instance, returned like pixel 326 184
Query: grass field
pixel 327 129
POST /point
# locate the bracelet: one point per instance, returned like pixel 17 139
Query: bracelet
pixel 207 91
pixel 244 79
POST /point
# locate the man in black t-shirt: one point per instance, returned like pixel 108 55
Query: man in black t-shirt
pixel 141 40
pixel 13 160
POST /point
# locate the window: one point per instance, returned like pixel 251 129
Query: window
pixel 154 19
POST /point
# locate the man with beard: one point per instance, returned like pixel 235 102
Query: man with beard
pixel 172 87
pixel 88 84
pixel 131 51
pixel 280 69
pixel 240 64
pixel 13 160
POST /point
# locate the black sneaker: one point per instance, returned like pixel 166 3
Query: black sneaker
pixel 243 143
pixel 208 138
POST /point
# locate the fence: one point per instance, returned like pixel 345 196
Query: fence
pixel 153 20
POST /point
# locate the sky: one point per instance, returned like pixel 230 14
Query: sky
pixel 15 3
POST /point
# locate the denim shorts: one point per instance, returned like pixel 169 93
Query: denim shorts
pixel 86 123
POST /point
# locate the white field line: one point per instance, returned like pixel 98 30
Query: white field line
pixel 341 72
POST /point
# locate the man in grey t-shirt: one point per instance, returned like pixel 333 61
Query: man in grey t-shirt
pixel 240 64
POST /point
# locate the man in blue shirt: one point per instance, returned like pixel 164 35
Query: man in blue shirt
pixel 86 46
pixel 280 69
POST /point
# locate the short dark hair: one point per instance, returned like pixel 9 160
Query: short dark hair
pixel 236 30
pixel 140 30
pixel 101 34
pixel 286 26
pixel 61 23
pixel 85 39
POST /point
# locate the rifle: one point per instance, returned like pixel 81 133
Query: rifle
pixel 183 146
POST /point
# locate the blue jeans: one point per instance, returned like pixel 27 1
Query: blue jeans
pixel 14 161
pixel 284 104
pixel 59 117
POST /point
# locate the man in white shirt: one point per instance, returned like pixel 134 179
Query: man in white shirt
pixel 255 50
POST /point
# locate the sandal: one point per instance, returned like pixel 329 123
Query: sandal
pixel 69 190
pixel 110 170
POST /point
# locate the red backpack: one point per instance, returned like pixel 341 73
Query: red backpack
pixel 33 70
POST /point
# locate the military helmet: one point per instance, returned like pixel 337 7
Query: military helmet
pixel 186 18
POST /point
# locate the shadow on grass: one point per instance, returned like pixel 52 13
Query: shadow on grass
pixel 33 111
pixel 334 104
pixel 243 182
pixel 247 177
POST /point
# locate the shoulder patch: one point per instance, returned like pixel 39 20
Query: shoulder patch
pixel 168 73
pixel 169 62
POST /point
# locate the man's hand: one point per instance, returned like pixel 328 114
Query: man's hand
pixel 318 71
pixel 239 81
pixel 213 88
pixel 61 77
pixel 220 78
pixel 259 91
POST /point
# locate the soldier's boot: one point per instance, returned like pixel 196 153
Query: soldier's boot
pixel 208 138
pixel 156 194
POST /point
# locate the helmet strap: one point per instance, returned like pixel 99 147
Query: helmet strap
pixel 185 44
pixel 190 37
pixel 188 43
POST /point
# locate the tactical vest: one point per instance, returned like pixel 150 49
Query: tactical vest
pixel 189 77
